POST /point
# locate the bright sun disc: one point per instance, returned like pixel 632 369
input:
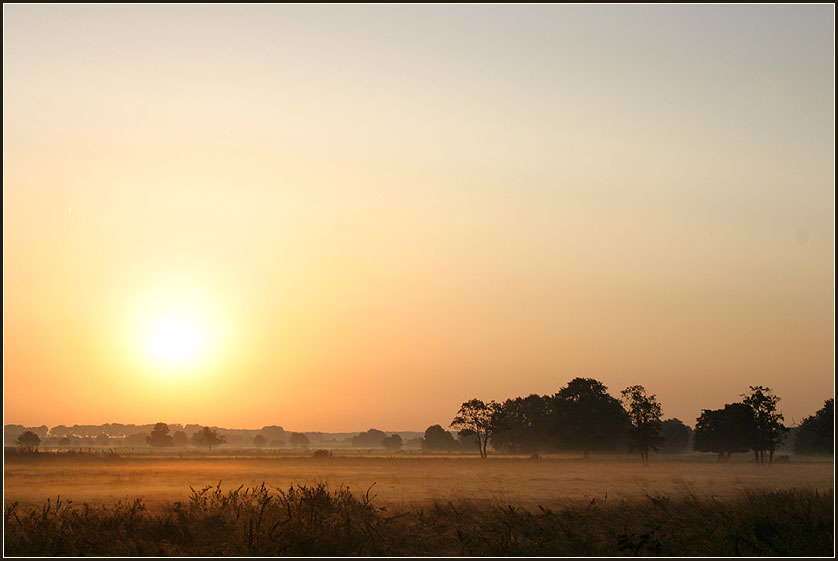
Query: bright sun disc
pixel 176 342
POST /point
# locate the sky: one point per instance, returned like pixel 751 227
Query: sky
pixel 342 217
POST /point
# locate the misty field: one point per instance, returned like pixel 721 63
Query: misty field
pixel 380 504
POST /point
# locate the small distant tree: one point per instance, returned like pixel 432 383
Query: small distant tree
pixel 676 436
pixel 392 442
pixel 298 440
pixel 259 441
pixel 437 438
pixel 816 434
pixel 208 437
pixel 180 438
pixel 160 436
pixel 725 431
pixel 28 441
pixel 65 441
pixel 770 430
pixel 645 417
pixel 475 419
pixel 103 440
pixel 370 439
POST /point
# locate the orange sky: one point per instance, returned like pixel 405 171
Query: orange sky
pixel 370 214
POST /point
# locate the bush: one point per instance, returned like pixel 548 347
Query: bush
pixel 322 454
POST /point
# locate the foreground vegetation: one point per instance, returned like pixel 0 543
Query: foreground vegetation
pixel 318 520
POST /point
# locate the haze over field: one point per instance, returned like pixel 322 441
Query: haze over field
pixel 341 217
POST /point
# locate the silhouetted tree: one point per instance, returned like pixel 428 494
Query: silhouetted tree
pixel 392 442
pixel 103 439
pixel 259 441
pixel 298 440
pixel 28 441
pixel 437 438
pixel 65 441
pixel 770 430
pixel 645 417
pixel 676 436
pixel 587 418
pixel 475 418
pixel 370 439
pixel 180 438
pixel 816 434
pixel 725 431
pixel 208 437
pixel 522 425
pixel 160 436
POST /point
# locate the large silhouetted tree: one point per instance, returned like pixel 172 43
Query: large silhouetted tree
pixel 645 417
pixel 437 438
pixel 475 419
pixel 522 424
pixel 816 434
pixel 208 437
pixel 770 430
pixel 725 431
pixel 586 417
pixel 160 436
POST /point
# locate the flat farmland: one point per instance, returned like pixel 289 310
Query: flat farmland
pixel 402 480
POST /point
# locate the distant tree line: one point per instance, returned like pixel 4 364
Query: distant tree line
pixel 585 418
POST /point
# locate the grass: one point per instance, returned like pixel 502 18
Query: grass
pixel 309 520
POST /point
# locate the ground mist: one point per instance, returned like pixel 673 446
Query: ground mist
pixel 307 520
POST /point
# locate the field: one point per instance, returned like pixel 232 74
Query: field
pixel 605 505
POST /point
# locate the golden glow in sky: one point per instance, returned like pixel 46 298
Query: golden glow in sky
pixel 342 217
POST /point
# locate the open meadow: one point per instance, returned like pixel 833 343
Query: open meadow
pixel 241 503
pixel 398 479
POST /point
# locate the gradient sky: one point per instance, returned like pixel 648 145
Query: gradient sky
pixel 374 213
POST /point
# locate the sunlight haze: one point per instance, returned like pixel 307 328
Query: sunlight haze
pixel 332 218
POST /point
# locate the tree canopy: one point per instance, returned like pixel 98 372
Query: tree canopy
pixel 725 431
pixel 208 437
pixel 437 438
pixel 644 413
pixel 160 436
pixel 586 417
pixel 475 419
pixel 816 434
pixel 770 430
pixel 28 441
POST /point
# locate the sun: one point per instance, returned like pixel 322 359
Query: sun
pixel 177 341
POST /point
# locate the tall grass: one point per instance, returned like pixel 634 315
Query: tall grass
pixel 309 520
